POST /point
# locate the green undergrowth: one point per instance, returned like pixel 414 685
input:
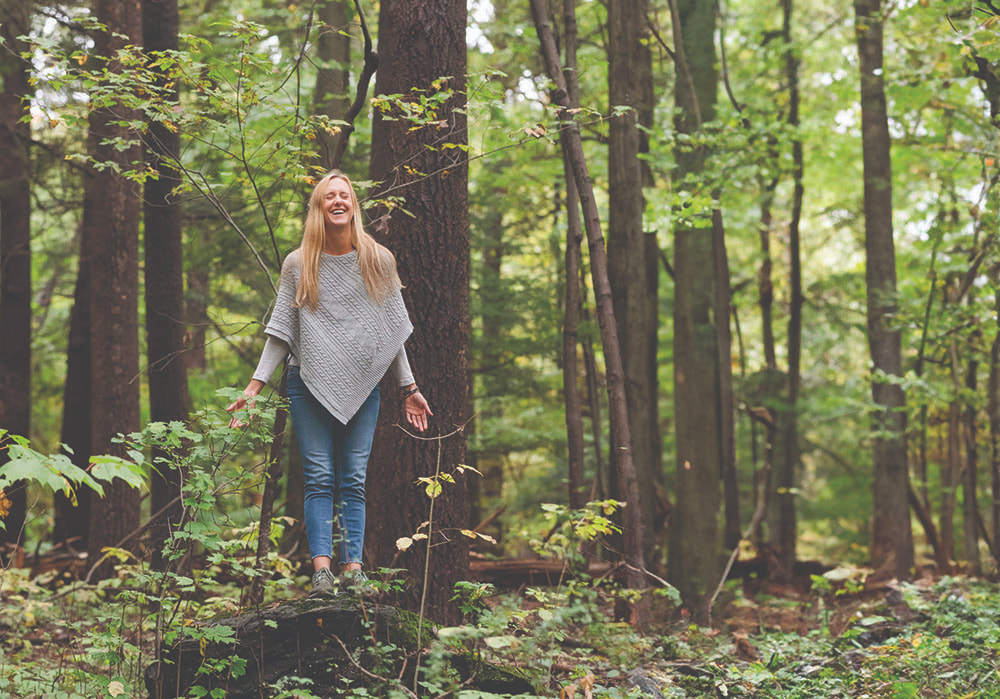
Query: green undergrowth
pixel 936 638
pixel 836 635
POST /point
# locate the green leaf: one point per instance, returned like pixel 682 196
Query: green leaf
pixel 107 468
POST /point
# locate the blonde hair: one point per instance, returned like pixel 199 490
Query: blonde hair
pixel 378 266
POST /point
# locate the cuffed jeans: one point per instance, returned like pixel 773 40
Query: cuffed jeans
pixel 334 463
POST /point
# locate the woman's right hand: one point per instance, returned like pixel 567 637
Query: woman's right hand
pixel 253 388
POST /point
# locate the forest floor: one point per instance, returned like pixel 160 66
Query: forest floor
pixel 828 635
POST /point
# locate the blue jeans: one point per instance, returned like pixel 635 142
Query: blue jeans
pixel 334 463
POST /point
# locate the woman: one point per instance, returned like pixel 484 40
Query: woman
pixel 340 315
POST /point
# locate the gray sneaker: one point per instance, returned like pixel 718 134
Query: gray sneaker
pixel 324 583
pixel 355 582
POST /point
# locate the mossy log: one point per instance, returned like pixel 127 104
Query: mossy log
pixel 327 646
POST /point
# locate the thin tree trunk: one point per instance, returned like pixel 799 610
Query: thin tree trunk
pixel 970 475
pixel 272 474
pixel 892 538
pixel 993 411
pixel 621 440
pixel 573 262
pixel 571 323
pixel 71 527
pixel 769 418
pixel 114 321
pixel 15 251
pixel 164 282
pixel 196 313
pixel 788 455
pixel 599 489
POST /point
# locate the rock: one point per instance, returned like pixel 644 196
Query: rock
pixel 302 644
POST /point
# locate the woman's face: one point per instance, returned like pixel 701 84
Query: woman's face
pixel 338 207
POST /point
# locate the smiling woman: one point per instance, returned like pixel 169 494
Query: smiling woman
pixel 340 319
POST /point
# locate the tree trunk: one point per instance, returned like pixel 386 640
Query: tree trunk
pixel 15 250
pixel 333 55
pixel 694 561
pixel 620 437
pixel 113 226
pixel 164 281
pixel 949 482
pixel 490 461
pixel 72 519
pixel 420 42
pixel 892 538
pixel 196 314
pixel 573 262
pixel 993 411
pixel 970 475
pixel 787 454
pixel 633 262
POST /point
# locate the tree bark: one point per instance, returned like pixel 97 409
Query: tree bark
pixel 333 55
pixel 113 224
pixel 421 41
pixel 787 448
pixel 694 561
pixel 71 528
pixel 620 437
pixel 970 474
pixel 15 250
pixel 574 298
pixel 892 538
pixel 164 280
pixel 633 262
pixel 993 411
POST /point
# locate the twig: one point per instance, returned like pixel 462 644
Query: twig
pixel 758 515
pixel 365 672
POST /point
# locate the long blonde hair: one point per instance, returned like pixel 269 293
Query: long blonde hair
pixel 378 266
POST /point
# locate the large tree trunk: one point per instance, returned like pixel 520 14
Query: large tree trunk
pixel 694 561
pixel 164 276
pixel 421 41
pixel 620 437
pixel 15 249
pixel 633 260
pixel 892 538
pixel 113 228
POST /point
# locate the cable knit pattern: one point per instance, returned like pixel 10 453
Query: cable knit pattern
pixel 347 344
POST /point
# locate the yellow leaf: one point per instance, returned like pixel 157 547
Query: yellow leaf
pixel 403 543
pixel 116 688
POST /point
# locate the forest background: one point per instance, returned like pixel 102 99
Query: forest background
pixel 799 208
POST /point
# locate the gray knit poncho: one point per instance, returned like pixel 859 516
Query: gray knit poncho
pixel 347 344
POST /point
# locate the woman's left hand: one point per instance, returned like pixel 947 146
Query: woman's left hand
pixel 417 410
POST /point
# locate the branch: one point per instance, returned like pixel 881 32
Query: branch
pixel 361 94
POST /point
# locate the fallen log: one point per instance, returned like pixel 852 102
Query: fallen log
pixel 532 571
pixel 328 646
